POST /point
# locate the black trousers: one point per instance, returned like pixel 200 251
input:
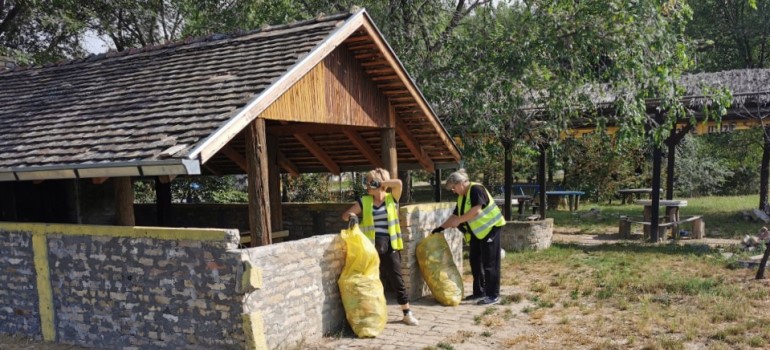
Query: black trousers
pixel 390 274
pixel 484 257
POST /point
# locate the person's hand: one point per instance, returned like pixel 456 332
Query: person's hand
pixel 453 221
pixel 437 230
pixel 353 219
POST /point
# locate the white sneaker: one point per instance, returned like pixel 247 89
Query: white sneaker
pixel 410 320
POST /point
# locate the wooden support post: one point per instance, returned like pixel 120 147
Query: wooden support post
pixel 406 192
pixel 389 157
pixel 124 201
pixel 274 179
pixel 259 196
pixel 163 201
pixel 437 185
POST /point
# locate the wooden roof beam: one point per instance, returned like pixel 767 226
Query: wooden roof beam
pixel 287 165
pixel 415 148
pixel 401 73
pixel 364 147
pixel 316 150
pixel 236 157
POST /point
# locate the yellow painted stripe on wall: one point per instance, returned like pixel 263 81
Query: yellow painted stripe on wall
pixel 163 233
pixel 44 291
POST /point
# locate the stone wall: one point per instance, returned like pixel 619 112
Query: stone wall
pixel 19 311
pixel 122 287
pixel 299 299
pixel 527 235
pixel 153 288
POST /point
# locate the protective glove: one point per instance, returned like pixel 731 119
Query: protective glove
pixel 437 230
pixel 352 220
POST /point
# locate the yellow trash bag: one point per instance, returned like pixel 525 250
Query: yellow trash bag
pixel 360 285
pixel 439 269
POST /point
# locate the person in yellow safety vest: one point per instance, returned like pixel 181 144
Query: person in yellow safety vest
pixel 477 215
pixel 379 222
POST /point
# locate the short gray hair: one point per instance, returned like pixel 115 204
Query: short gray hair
pixel 457 177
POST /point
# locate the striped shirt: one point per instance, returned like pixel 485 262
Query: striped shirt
pixel 380 216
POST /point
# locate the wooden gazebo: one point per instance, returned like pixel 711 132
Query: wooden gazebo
pixel 324 95
pixel 750 107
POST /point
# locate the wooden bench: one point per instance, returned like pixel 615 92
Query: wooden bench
pixel 698 227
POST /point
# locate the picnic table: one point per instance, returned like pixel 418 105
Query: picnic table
pixel 672 211
pixel 522 200
pixel 573 197
pixel 627 193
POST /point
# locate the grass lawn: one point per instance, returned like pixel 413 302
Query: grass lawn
pixel 723 216
pixel 631 297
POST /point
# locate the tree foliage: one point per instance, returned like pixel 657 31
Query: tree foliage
pixel 731 34
pixel 40 31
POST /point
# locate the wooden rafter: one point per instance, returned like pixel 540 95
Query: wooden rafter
pixel 236 157
pixel 363 147
pixel 401 73
pixel 316 150
pixel 417 150
pixel 286 164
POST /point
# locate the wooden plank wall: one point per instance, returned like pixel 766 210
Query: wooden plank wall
pixel 351 95
pixel 336 91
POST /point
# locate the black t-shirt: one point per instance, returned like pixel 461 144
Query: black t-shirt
pixel 477 196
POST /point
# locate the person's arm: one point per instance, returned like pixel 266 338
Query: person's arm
pixel 354 209
pixel 395 186
pixel 477 199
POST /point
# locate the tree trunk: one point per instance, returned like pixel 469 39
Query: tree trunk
pixel 763 263
pixel 764 172
pixel 541 181
pixel 508 181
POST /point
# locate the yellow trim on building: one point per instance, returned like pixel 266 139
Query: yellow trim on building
pixel 164 233
pixel 44 289
pixel 254 329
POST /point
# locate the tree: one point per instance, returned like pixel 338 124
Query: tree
pixel 41 31
pixel 731 34
pixel 531 69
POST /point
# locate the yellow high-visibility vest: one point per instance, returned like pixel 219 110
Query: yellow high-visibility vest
pixel 394 227
pixel 489 217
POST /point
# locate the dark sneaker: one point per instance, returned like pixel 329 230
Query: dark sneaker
pixel 489 301
pixel 473 297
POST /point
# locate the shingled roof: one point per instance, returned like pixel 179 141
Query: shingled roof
pixel 169 109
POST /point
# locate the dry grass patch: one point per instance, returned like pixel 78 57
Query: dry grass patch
pixel 526 340
pixel 637 296
pixel 459 337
